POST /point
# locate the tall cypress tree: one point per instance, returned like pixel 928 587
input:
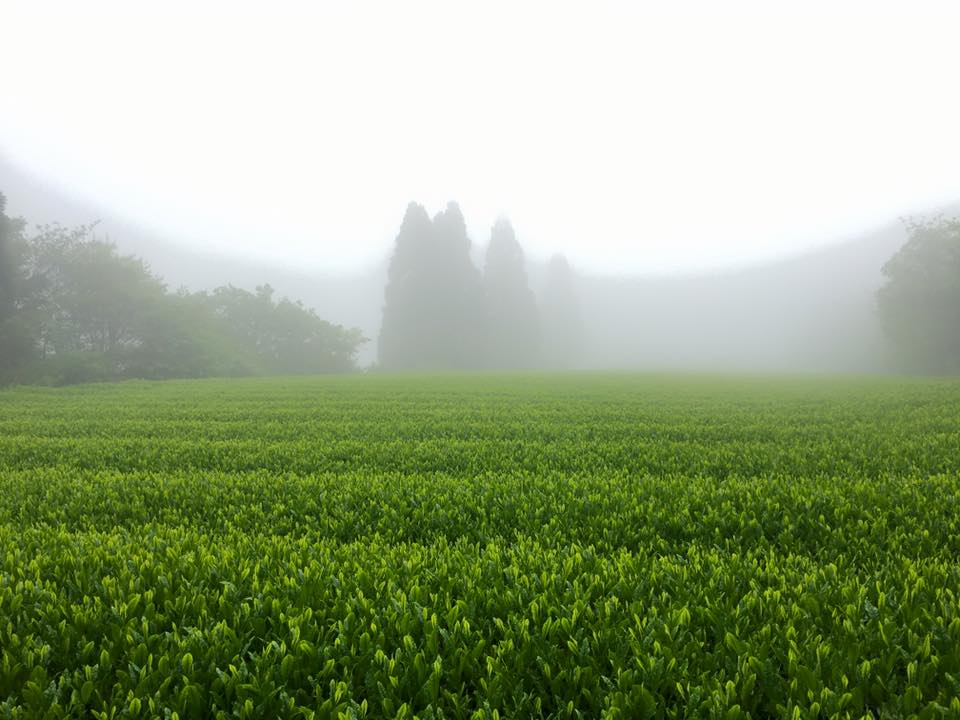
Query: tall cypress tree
pixel 457 317
pixel 432 311
pixel 404 332
pixel 512 322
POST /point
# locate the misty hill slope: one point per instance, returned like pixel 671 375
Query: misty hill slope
pixel 811 312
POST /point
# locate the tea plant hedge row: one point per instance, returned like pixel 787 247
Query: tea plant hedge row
pixel 555 546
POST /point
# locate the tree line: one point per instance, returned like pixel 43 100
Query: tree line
pixel 442 312
pixel 73 309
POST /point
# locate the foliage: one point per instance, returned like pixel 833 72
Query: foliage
pixel 15 345
pixel 511 316
pixel 404 328
pixel 920 302
pixel 9 232
pixel 84 301
pixel 441 314
pixel 283 337
pixel 433 314
pixel 73 309
pixel 605 545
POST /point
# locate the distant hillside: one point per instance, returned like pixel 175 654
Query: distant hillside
pixel 811 312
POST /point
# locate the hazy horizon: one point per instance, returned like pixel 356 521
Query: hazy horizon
pixel 40 201
pixel 633 139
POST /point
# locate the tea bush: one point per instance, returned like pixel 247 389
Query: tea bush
pixel 481 546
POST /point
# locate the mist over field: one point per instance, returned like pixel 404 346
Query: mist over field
pixel 814 310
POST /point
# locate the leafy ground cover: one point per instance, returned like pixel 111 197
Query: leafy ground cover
pixel 481 546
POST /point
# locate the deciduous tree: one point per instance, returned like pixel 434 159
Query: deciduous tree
pixel 920 303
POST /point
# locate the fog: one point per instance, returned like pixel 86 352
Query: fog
pixel 633 137
pixel 688 188
pixel 814 311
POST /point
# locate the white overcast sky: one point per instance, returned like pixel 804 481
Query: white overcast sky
pixel 630 136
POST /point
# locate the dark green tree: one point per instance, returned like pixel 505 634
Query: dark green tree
pixel 404 331
pixel 76 310
pixel 10 231
pixel 8 267
pixel 510 308
pixel 182 336
pixel 16 344
pixel 282 337
pixel 560 313
pixel 85 304
pixel 432 315
pixel 919 304
pixel 457 314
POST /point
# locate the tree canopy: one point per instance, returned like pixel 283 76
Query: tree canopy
pixel 405 333
pixel 73 309
pixel 511 316
pixel 432 313
pixel 15 342
pixel 919 304
pixel 440 312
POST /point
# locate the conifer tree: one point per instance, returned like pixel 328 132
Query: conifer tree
pixel 403 330
pixel 511 320
pixel 432 316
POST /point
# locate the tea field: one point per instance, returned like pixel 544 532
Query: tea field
pixel 481 546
